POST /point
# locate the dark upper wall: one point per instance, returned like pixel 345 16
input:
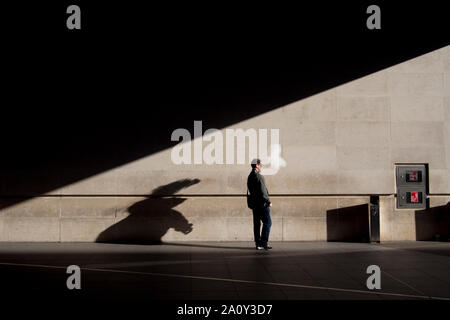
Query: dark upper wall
pixel 76 104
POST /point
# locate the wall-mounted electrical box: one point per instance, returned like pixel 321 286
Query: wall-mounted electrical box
pixel 411 181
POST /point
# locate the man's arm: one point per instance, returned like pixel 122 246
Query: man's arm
pixel 263 188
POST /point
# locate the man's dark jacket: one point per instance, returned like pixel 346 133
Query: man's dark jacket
pixel 259 196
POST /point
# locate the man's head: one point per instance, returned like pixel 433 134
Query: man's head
pixel 256 164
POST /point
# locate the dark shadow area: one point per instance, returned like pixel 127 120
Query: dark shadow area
pixel 349 224
pixel 151 218
pixel 75 104
pixel 433 224
pixel 429 247
pixel 198 245
pixel 333 265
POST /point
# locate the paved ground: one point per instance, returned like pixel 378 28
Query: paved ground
pixel 225 270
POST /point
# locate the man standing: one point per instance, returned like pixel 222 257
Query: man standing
pixel 259 202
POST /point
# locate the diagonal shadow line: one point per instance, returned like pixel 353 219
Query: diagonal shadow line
pixel 50 148
pixel 36 166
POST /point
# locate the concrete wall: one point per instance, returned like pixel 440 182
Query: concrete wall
pixel 340 147
pixel 396 225
pixel 62 218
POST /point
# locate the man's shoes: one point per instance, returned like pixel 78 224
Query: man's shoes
pixel 267 247
pixel 259 248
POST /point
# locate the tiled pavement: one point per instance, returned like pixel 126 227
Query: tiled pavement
pixel 226 270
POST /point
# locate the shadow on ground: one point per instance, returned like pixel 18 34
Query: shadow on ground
pixel 198 245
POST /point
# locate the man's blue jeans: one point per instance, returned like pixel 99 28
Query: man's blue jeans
pixel 263 215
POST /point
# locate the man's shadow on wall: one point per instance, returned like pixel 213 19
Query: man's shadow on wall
pixel 151 218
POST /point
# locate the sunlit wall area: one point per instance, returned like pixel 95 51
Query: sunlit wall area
pixel 322 154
